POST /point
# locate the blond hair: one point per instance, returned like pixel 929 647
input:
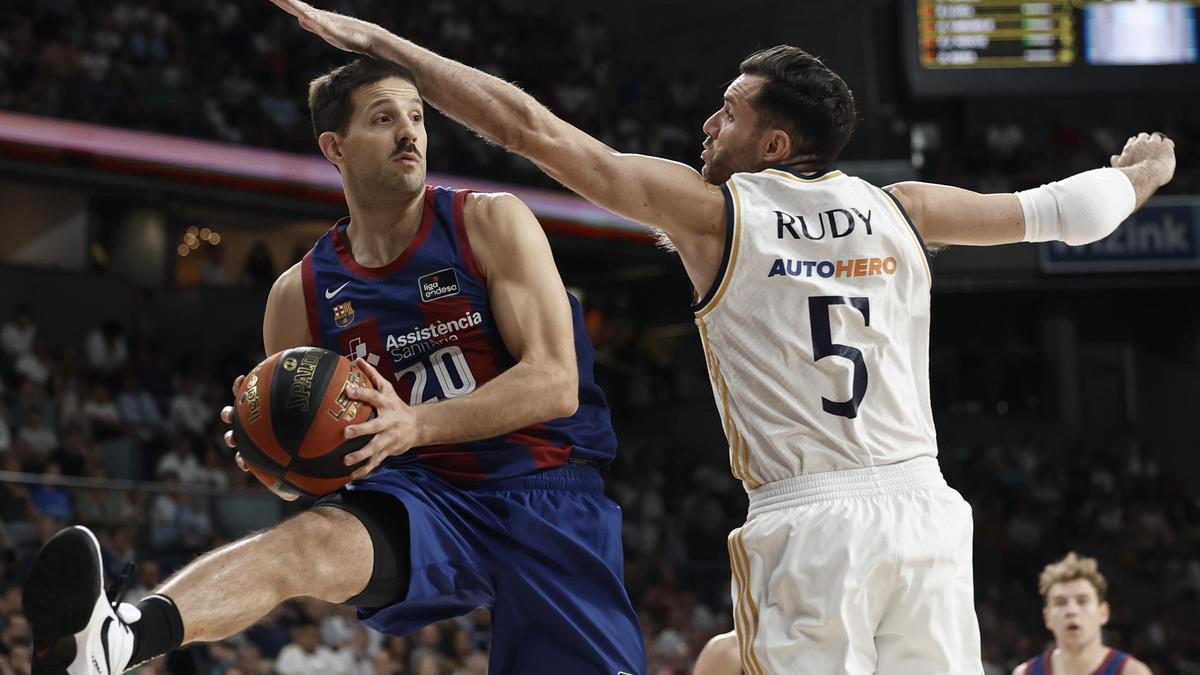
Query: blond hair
pixel 1070 568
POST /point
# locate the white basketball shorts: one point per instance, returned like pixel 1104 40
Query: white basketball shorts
pixel 859 571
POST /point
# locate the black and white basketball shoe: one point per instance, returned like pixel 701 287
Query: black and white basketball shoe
pixel 76 630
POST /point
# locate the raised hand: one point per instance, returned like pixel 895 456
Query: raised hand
pixel 1153 150
pixel 341 31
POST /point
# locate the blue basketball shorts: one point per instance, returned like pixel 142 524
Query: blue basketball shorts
pixel 543 552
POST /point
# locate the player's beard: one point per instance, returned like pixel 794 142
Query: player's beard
pixel 724 162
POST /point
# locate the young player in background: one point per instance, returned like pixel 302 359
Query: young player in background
pixel 1076 610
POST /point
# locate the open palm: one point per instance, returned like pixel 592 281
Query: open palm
pixel 339 30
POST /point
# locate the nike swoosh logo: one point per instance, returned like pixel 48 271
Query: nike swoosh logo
pixel 104 642
pixel 329 294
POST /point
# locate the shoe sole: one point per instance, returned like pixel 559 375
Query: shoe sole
pixel 60 593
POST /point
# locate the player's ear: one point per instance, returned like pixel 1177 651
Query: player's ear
pixel 777 146
pixel 331 147
pixel 1104 612
pixel 1046 617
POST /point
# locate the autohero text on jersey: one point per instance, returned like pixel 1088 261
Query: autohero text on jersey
pixel 828 269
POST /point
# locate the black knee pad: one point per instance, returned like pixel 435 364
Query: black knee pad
pixel 386 521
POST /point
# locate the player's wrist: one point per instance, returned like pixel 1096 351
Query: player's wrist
pixel 1159 169
pixel 383 44
pixel 377 36
pixel 418 425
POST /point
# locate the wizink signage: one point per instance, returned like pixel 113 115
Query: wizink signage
pixel 1162 236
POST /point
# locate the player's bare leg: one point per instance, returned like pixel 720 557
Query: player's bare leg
pixel 324 553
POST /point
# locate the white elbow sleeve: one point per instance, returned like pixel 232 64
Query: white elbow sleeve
pixel 1078 210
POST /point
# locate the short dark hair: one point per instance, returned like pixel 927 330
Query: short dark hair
pixel 804 98
pixel 329 95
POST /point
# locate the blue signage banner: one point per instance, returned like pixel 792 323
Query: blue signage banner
pixel 1163 236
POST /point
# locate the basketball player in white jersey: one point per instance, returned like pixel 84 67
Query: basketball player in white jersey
pixel 813 306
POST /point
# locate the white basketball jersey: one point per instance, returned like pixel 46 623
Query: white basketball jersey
pixel 816 329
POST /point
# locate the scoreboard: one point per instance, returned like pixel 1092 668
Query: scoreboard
pixel 1011 46
pixel 996 34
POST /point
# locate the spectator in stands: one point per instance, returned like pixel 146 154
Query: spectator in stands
pixel 164 514
pixel 250 661
pixel 192 522
pixel 139 410
pixel 34 364
pixel 38 440
pixel 17 335
pixel 394 656
pixel 101 413
pixel 50 500
pixel 181 462
pixel 106 349
pixel 217 467
pixel 188 411
pixel 305 655
pixel 426 661
pixel 117 549
pixel 356 654
pixel 271 634
pixel 102 508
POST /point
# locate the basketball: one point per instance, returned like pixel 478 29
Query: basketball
pixel 290 416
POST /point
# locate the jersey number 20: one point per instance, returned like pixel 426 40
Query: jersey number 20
pixel 460 383
pixel 823 346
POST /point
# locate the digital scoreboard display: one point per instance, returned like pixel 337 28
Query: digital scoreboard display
pixel 999 34
pixel 1006 46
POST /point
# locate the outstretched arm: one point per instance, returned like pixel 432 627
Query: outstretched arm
pixel 1081 209
pixel 666 195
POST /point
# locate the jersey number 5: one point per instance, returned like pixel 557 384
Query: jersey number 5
pixel 823 346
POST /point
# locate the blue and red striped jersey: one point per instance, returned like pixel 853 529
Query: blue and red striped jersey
pixel 1113 664
pixel 425 322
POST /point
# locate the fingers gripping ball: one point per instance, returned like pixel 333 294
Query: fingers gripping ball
pixel 290 416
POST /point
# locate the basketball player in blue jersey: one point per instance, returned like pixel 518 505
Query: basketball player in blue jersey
pixel 1076 611
pixel 481 487
pixel 813 300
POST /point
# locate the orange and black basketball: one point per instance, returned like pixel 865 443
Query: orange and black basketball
pixel 290 414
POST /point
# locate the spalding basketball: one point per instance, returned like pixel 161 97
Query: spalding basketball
pixel 289 420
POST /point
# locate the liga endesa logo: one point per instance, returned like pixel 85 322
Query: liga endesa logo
pixel 439 284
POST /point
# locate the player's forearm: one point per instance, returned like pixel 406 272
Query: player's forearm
pixel 1146 177
pixel 493 108
pixel 1079 209
pixel 519 397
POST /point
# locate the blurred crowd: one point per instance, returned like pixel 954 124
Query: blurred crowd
pixel 1015 146
pixel 113 405
pixel 238 71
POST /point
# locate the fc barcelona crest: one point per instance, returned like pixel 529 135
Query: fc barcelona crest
pixel 343 314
